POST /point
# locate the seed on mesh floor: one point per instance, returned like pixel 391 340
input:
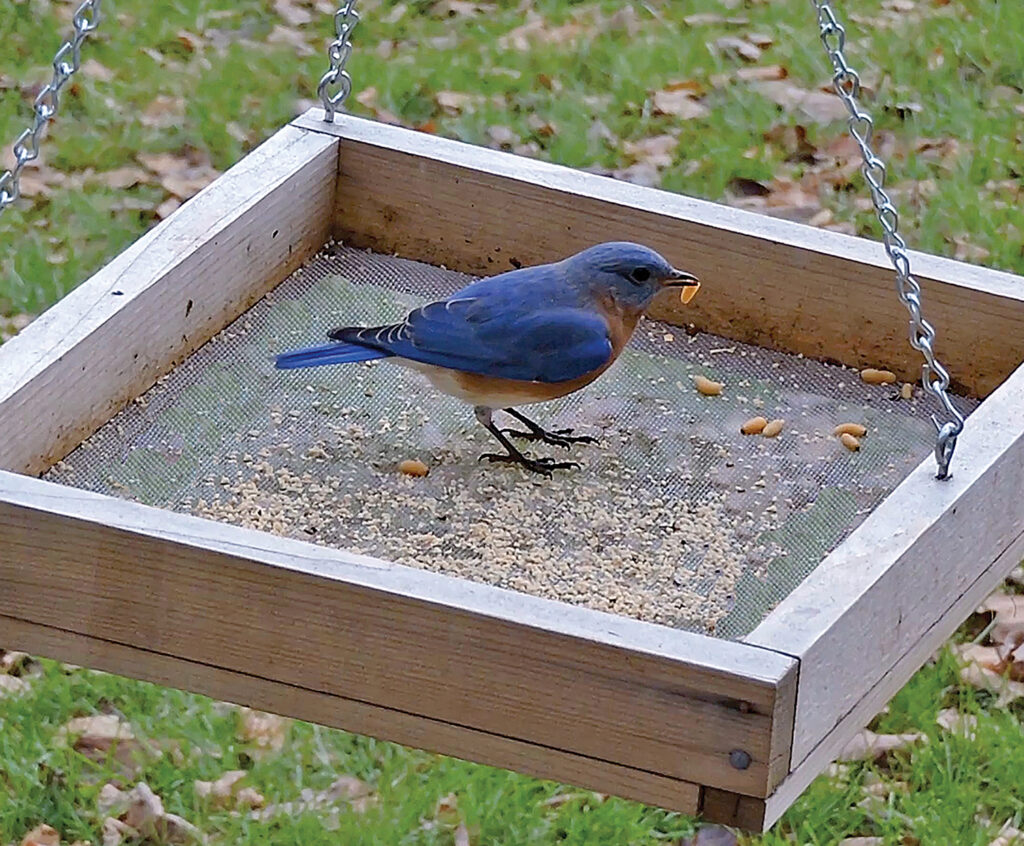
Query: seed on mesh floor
pixel 773 429
pixel 413 467
pixel 707 387
pixel 907 391
pixel 849 441
pixel 754 426
pixel 855 429
pixel 877 377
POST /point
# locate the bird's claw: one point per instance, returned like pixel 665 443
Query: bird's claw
pixel 544 466
pixel 561 438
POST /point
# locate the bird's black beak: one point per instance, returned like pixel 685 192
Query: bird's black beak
pixel 681 279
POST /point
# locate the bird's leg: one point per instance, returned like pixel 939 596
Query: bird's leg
pixel 560 437
pixel 514 456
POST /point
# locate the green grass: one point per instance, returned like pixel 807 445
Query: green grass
pixel 238 89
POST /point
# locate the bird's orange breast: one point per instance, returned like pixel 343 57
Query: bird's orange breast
pixel 499 393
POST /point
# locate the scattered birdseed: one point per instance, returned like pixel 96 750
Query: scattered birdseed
pixel 413 467
pixel 877 377
pixel 849 441
pixel 673 517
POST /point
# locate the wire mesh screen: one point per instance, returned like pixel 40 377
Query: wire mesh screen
pixel 675 516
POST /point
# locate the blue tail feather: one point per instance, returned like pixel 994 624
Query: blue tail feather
pixel 326 354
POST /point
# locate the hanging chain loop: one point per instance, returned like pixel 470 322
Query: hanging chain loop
pixel 345 20
pixel 934 376
pixel 65 63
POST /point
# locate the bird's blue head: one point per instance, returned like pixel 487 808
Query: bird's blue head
pixel 629 273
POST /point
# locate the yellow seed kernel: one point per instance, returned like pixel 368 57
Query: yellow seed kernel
pixel 772 429
pixel 877 377
pixel 754 426
pixel 689 292
pixel 854 429
pixel 907 391
pixel 849 441
pixel 413 467
pixel 707 387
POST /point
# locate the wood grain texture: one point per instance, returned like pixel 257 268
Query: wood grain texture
pixel 766 281
pixel 591 684
pixel 894 679
pixel 896 579
pixel 181 283
pixel 340 712
pixel 732 809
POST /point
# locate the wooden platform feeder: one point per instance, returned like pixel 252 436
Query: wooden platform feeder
pixel 733 730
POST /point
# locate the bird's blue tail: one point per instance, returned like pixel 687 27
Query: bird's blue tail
pixel 337 353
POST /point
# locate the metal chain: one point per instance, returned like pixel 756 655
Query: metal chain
pixel 934 376
pixel 345 20
pixel 65 63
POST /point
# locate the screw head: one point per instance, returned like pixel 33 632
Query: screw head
pixel 739 759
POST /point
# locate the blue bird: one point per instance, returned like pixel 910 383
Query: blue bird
pixel 525 336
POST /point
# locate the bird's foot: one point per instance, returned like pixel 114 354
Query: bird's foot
pixel 560 437
pixel 544 466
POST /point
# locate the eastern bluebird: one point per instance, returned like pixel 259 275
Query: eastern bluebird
pixel 525 336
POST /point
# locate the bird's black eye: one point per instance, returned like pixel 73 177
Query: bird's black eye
pixel 640 274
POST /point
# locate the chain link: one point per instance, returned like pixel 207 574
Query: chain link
pixel 65 63
pixel 345 20
pixel 934 376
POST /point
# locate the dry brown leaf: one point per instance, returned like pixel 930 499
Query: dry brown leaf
pixel 737 48
pixel 538 30
pixel 760 73
pixel 657 150
pixel 1009 835
pixel 712 18
pixel 292 13
pixel 966 251
pixel 167 207
pixel 96 70
pixel 461 835
pixel 146 815
pixel 680 101
pixel 14 663
pixel 122 177
pixel 818 106
pixel 866 745
pixel 42 835
pixel 163 111
pixel 250 798
pixel 641 173
pixel 862 841
pixel 1005 690
pixel 287 37
pixel 457 102
pixel 346 790
pixel 502 136
pixel 957 723
pixel 221 791
pixel 368 98
pixel 12 685
pixel 114 832
pixel 112 801
pixel 266 731
pixel 162 164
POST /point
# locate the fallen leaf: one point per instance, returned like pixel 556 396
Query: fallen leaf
pixel 1009 835
pixel 114 832
pixel 741 186
pixel 966 251
pixel 656 150
pixel 957 723
pixel 538 29
pixel 293 38
pixel 712 18
pixel 641 173
pixel 267 731
pixel 457 102
pixel 680 100
pixel 146 815
pixel 734 47
pixel 220 792
pixel 1004 689
pixel 541 127
pixel 862 841
pixel 761 73
pixel 461 835
pixel 368 97
pixel 866 745
pixel 163 111
pixel 168 207
pixel 1008 610
pixel 345 791
pixel 112 801
pixel 818 106
pixel 292 13
pixel 122 177
pixel 502 137
pixel 96 70
pixel 101 736
pixel 42 835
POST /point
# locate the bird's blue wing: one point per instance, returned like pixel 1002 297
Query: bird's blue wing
pixel 497 333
